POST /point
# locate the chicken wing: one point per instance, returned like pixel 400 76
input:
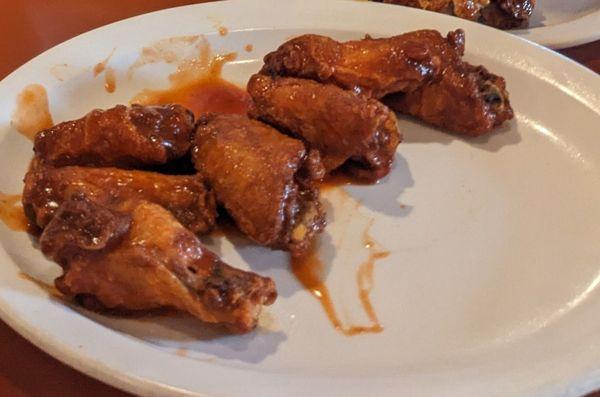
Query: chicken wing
pixel 467 100
pixel 143 259
pixel 502 14
pixel 119 137
pixel 345 128
pixel 262 178
pixel 374 67
pixel 186 197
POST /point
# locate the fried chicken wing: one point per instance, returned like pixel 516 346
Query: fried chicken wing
pixel 262 178
pixel 186 197
pixel 120 137
pixel 143 259
pixel 467 100
pixel 374 67
pixel 345 128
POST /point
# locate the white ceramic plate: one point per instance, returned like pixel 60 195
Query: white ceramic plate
pixel 490 288
pixel 563 23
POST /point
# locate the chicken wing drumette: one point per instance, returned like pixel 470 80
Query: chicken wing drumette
pixel 347 129
pixel 140 258
pixel 186 197
pixel 122 136
pixel 262 178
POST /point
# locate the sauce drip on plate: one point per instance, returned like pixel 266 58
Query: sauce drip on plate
pixel 308 270
pixel 11 212
pixel 32 112
pixel 110 80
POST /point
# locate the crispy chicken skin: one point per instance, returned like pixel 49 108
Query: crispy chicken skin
pixel 502 14
pixel 119 137
pixel 141 258
pixel 373 67
pixel 186 197
pixel 346 129
pixel 262 178
pixel 467 100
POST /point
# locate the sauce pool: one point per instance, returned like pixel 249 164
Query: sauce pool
pixel 202 90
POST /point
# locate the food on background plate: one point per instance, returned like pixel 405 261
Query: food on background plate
pixel 120 137
pixel 502 14
pixel 349 131
pixel 262 178
pixel 185 196
pixel 139 257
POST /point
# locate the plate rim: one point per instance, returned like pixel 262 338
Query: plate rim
pixel 135 384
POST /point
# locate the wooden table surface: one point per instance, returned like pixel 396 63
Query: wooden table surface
pixel 27 28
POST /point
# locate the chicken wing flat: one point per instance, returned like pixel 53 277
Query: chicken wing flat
pixel 119 137
pixel 186 197
pixel 143 259
pixel 262 178
pixel 467 100
pixel 374 67
pixel 345 128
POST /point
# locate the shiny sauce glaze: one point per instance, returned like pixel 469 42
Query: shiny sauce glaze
pixel 110 80
pixel 198 85
pixel 32 112
pixel 11 212
pixel 308 270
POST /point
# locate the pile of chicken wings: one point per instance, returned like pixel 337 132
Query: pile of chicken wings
pixel 125 231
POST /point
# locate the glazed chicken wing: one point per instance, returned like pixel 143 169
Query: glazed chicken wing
pixel 345 128
pixel 467 100
pixel 186 197
pixel 120 137
pixel 143 259
pixel 262 178
pixel 374 67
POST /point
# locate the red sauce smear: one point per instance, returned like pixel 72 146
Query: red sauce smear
pixel 100 66
pixel 110 80
pixel 308 270
pixel 32 112
pixel 11 212
pixel 198 85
